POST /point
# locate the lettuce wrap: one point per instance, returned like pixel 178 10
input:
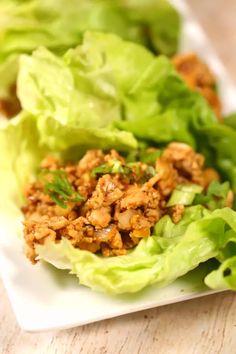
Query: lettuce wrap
pixel 111 93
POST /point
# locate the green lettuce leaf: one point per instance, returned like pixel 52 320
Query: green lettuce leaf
pixel 217 143
pixel 160 23
pixel 83 88
pixel 161 108
pixel 60 24
pixel 159 259
pixel 63 110
pixel 21 153
pixel 215 197
pixel 89 87
pixel 230 120
pixel 224 277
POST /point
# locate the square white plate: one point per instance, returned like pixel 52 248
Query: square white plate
pixel 44 298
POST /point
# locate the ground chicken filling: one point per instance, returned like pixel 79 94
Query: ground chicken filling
pixel 105 204
pixel 199 78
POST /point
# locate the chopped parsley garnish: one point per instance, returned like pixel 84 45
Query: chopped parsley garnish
pixel 60 189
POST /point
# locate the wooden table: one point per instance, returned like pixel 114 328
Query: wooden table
pixel 202 326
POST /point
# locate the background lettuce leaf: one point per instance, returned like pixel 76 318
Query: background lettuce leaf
pixel 109 82
pixel 60 24
pixel 174 113
pixel 217 142
pixel 230 120
pixel 65 106
pixel 84 87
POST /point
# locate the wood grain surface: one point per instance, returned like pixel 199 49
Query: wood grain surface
pixel 202 326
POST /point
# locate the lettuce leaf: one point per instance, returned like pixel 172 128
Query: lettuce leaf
pixel 65 106
pixel 21 153
pixel 217 143
pixel 224 277
pixel 215 196
pixel 230 120
pixel 84 87
pixel 59 25
pixel 89 87
pixel 160 22
pixel 159 259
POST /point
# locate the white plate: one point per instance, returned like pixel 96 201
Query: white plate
pixel 44 298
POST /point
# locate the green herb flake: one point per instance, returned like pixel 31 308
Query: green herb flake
pixel 101 170
pixel 131 170
pixel 59 188
pixel 114 167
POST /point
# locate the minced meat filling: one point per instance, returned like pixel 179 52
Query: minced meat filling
pixel 105 204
